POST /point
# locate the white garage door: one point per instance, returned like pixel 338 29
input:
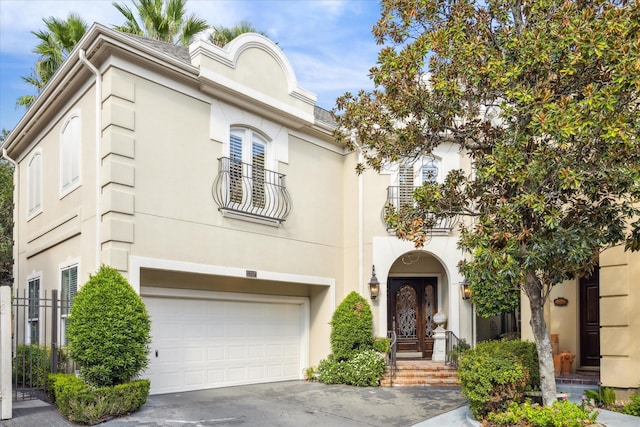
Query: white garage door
pixel 198 344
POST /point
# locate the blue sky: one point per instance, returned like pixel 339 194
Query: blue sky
pixel 328 42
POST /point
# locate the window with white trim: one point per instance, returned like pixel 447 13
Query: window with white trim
pixel 33 311
pixel 70 155
pixel 414 173
pixel 247 163
pixel 68 290
pixel 34 184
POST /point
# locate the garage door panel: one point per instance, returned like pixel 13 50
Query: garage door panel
pixel 212 343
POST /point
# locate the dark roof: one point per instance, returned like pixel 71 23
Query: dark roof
pixel 324 116
pixel 178 52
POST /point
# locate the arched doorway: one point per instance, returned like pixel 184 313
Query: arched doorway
pixel 416 290
pixel 412 303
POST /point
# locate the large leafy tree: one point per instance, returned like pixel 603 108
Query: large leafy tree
pixel 55 43
pixel 543 98
pixel 164 20
pixel 6 217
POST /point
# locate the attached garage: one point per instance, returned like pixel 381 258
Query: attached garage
pixel 216 339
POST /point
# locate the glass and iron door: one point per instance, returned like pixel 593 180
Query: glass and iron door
pixel 412 303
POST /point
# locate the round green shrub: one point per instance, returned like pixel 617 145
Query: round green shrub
pixel 108 330
pixel 491 382
pixel 351 327
pixel 523 351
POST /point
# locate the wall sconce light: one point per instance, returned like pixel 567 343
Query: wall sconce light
pixel 374 285
pixel 465 290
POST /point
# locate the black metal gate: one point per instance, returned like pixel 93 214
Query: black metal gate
pixel 37 328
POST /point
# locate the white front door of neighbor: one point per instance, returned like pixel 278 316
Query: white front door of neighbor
pixel 207 343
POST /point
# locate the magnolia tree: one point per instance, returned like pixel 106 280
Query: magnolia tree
pixel 542 96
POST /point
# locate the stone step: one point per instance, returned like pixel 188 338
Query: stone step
pixel 421 373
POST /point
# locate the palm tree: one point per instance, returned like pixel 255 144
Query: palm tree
pixel 163 20
pixel 56 43
pixel 223 35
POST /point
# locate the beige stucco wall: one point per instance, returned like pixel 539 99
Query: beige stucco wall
pixel 65 228
pixel 619 297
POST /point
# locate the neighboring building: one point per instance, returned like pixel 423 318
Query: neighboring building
pixel 212 181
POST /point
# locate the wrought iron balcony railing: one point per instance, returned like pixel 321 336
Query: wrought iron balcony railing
pixel 244 190
pixel 398 196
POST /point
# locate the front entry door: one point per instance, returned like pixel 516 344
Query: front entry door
pixel 590 319
pixel 412 303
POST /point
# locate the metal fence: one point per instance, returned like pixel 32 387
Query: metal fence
pixel 37 334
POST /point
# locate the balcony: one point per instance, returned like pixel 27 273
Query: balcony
pixel 250 192
pixel 398 196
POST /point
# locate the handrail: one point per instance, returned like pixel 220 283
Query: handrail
pixel 455 346
pixel 392 355
pixel 251 190
pixel 398 196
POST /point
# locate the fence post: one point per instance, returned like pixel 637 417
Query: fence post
pixel 6 395
pixel 54 331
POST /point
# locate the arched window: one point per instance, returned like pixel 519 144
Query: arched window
pixel 70 155
pixel 414 173
pixel 247 164
pixel 34 184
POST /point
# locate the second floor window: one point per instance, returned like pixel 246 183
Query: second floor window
pixel 413 174
pixel 247 159
pixel 34 182
pixel 70 155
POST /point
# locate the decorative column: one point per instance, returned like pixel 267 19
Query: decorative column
pixel 439 338
pixel 6 393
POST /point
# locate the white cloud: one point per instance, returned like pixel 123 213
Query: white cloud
pixel 328 42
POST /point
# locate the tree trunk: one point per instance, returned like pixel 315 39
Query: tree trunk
pixel 543 345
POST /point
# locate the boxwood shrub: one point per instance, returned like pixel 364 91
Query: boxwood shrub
pixel 491 378
pixel 109 330
pixel 85 404
pixel 351 327
pixel 523 351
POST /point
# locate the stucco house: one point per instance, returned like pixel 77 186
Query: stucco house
pixel 212 181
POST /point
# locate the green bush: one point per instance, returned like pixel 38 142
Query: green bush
pixel 523 351
pixel 351 327
pixel 604 396
pixel 458 349
pixel 491 382
pixel 633 407
pixel 560 414
pixel 31 365
pixel 84 404
pixel 108 330
pixel 382 344
pixel 364 369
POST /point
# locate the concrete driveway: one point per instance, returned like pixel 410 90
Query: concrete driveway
pixel 291 403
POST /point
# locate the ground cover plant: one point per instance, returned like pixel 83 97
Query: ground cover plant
pixel 357 356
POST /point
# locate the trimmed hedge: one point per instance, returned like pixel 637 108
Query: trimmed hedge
pixel 497 373
pixel 109 330
pixel 84 404
pixel 351 327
